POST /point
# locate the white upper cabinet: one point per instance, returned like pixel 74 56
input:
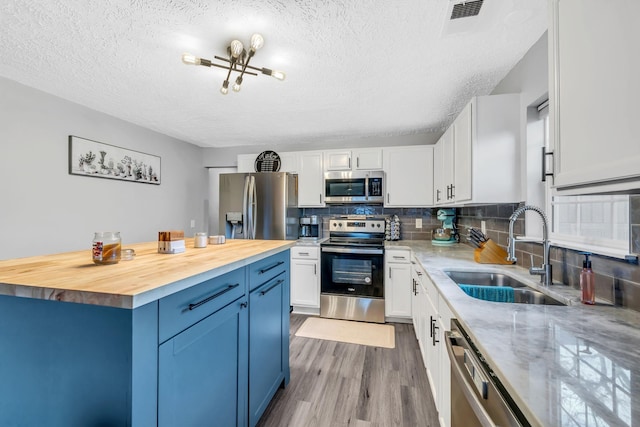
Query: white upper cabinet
pixel 463 147
pixel 367 159
pixel 408 176
pixel 443 168
pixel 337 160
pixel 310 179
pixel 594 91
pixel 478 154
pixel 288 162
pixel 356 159
pixel 246 162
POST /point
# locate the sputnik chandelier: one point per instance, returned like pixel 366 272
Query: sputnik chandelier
pixel 237 61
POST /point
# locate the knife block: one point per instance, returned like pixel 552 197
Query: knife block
pixel 491 253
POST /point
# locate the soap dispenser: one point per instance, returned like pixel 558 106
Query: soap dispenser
pixel 587 281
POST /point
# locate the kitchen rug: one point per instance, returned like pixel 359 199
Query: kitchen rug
pixel 371 334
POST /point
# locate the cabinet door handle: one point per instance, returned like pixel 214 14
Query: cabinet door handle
pixel 264 270
pixel 271 287
pixel 387 197
pixel 545 174
pixel 453 194
pixel 243 304
pixel 437 195
pixel 212 297
pixel 315 269
pixel 435 340
pixel 357 162
pixel 349 162
pixel 320 198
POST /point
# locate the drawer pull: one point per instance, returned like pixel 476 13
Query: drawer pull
pixel 303 253
pixel 264 270
pixel 212 297
pixel 271 287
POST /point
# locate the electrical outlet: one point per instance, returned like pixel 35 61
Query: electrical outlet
pixel 418 222
pixel 193 223
pixel 483 227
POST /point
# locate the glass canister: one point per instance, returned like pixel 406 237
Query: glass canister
pixel 200 240
pixel 107 247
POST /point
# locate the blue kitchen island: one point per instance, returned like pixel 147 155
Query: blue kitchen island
pixel 193 339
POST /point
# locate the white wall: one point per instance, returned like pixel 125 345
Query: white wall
pixel 45 210
pixel 530 78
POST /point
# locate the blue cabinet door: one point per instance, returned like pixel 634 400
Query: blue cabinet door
pixel 266 355
pixel 202 373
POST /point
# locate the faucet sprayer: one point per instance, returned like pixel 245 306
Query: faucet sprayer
pixel 545 270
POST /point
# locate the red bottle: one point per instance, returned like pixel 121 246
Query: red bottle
pixel 587 282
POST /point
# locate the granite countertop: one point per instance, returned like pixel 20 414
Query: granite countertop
pixel 73 277
pixel 568 365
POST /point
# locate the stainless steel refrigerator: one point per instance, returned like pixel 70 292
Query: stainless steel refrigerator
pixel 261 205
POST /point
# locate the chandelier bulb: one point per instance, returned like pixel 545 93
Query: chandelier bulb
pixel 280 75
pixel 190 59
pixel 257 41
pixel 225 87
pixel 236 48
pixel 236 86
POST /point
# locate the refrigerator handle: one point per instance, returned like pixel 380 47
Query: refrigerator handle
pixel 254 215
pixel 245 207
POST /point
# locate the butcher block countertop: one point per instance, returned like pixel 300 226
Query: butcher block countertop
pixel 73 277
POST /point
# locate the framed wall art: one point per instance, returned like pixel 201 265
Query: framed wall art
pixel 100 160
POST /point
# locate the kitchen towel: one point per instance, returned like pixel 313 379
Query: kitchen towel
pixel 489 293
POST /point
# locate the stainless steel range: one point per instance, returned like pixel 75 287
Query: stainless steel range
pixel 352 263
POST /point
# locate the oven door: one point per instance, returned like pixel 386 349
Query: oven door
pixel 352 271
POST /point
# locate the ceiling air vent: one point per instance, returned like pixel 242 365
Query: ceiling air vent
pixel 466 9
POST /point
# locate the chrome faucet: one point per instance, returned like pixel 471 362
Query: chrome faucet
pixel 545 270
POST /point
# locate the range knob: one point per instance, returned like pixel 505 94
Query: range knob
pixel 378 225
pixel 339 224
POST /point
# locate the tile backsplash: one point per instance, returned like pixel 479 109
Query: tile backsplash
pixel 617 281
pixel 407 216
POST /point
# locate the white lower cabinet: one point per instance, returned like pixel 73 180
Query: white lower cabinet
pixel 416 298
pixel 397 283
pixel 433 319
pixel 305 278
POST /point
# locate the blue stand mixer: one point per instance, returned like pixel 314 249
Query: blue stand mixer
pixel 448 233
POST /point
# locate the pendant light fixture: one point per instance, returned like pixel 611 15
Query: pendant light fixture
pixel 238 61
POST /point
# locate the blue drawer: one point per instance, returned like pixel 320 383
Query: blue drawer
pixel 179 311
pixel 264 270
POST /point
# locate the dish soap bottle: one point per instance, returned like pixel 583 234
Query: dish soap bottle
pixel 587 281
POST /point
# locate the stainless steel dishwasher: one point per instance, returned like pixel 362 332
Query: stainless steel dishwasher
pixel 477 396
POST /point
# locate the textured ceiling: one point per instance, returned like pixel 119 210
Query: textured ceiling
pixel 354 68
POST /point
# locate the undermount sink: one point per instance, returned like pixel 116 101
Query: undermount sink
pixel 522 293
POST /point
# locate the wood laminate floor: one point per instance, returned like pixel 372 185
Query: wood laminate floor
pixel 337 384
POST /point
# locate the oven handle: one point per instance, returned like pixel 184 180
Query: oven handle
pixel 353 250
pixel 465 385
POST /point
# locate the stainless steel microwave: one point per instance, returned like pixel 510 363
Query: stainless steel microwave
pixel 354 187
